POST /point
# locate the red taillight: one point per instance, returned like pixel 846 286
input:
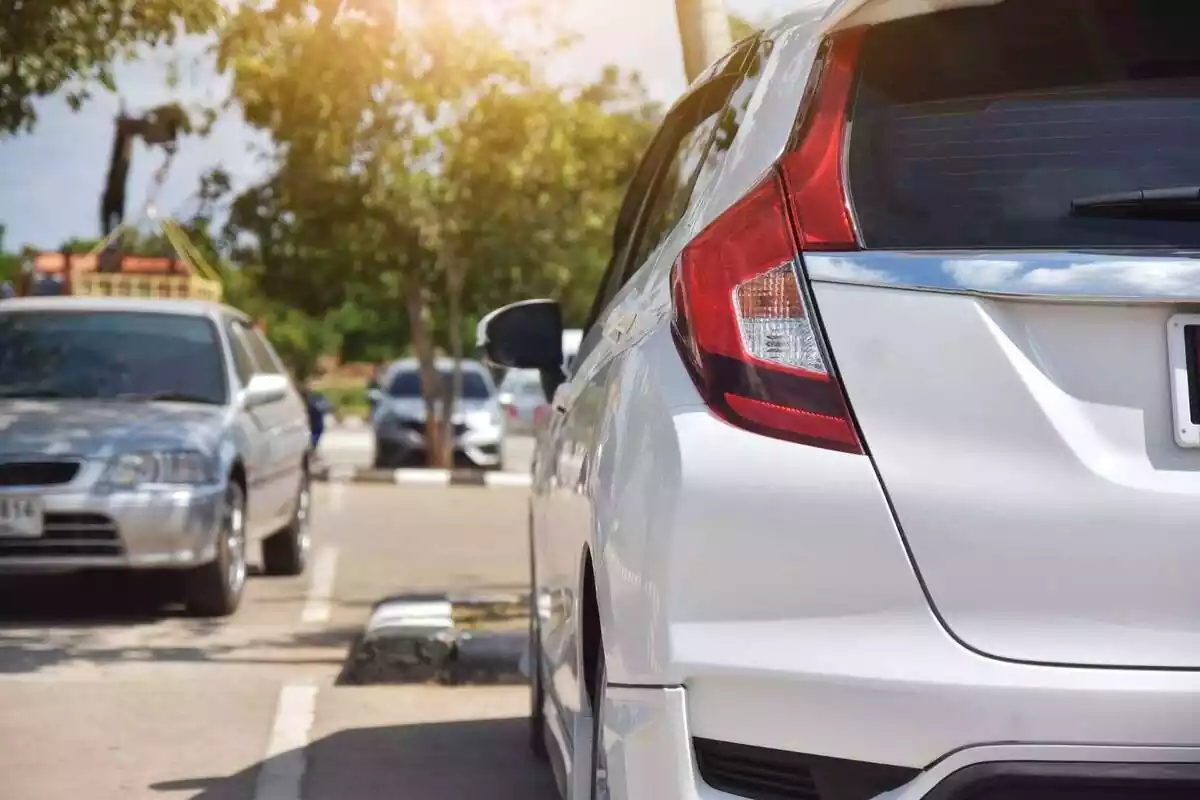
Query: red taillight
pixel 812 171
pixel 742 320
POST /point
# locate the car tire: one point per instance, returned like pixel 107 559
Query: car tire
pixel 215 589
pixel 599 761
pixel 537 694
pixel 286 551
pixel 381 460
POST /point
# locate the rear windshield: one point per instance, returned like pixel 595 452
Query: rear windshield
pixel 407 383
pixel 975 128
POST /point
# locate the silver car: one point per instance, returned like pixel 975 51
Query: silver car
pixel 149 434
pixel 523 400
pixel 399 416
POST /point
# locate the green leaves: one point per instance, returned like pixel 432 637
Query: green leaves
pixel 419 151
pixel 48 45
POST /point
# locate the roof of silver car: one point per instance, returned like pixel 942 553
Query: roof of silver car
pixel 189 308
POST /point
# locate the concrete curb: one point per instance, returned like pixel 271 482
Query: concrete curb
pixel 345 473
pixel 416 638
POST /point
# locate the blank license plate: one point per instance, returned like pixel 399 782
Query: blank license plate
pixel 21 516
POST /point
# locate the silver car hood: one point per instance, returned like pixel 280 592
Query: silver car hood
pixel 90 428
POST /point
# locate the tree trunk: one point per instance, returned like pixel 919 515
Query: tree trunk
pixel 431 385
pixel 704 33
pixel 454 287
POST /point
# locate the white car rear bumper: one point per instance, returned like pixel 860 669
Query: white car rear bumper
pixel 648 740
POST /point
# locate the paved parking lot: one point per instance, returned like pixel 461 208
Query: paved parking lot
pixel 106 691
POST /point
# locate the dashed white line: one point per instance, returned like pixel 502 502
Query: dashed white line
pixel 281 776
pixel 428 477
pixel 320 588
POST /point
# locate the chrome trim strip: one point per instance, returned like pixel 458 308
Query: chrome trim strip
pixel 1063 276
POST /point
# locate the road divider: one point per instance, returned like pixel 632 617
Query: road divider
pixel 444 639
pixel 347 473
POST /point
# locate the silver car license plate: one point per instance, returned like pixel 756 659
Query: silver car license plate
pixel 21 516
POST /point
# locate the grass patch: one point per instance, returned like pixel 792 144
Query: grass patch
pixel 348 398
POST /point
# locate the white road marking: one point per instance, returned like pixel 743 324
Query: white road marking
pixel 424 476
pixel 507 479
pixel 320 588
pixel 281 776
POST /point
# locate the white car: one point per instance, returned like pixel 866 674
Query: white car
pixel 877 473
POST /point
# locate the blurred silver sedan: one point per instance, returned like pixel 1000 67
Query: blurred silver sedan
pixel 399 418
pixel 149 434
pixel 523 400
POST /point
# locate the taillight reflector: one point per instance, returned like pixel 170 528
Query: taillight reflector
pixel 745 329
pixel 743 322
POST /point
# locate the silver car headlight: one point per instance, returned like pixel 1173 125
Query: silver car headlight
pixel 484 419
pixel 188 467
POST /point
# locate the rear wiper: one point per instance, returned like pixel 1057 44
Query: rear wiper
pixel 1172 203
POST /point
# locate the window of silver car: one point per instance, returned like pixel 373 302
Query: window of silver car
pixel 242 360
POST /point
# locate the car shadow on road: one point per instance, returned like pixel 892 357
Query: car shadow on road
pixel 467 760
pixel 109 620
pixel 84 599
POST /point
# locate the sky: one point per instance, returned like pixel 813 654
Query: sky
pixel 51 179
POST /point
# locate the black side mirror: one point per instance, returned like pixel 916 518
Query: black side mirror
pixel 525 335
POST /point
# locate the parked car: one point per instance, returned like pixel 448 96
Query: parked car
pixel 149 434
pixel 878 472
pixel 523 400
pixel 399 416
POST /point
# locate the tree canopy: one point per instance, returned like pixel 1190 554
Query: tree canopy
pixel 424 168
pixel 52 45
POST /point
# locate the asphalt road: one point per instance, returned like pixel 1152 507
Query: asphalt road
pixel 107 691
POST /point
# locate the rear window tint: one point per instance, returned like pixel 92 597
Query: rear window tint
pixel 975 128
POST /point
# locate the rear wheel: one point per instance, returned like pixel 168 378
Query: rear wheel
pixel 286 552
pixel 537 695
pixel 215 589
pixel 599 756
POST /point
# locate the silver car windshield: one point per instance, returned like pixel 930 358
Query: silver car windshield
pixel 407 383
pixel 110 356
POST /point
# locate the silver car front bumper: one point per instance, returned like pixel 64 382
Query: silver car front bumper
pixel 484 447
pixel 168 527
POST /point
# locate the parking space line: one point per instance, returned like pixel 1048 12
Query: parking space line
pixel 281 776
pixel 320 588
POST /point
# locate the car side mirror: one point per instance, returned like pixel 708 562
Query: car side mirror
pixel 524 335
pixel 264 389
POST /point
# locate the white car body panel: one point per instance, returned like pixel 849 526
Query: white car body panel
pixel 740 579
pixel 1057 418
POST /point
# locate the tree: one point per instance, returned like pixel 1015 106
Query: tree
pixel 703 32
pixel 48 45
pixel 10 263
pixel 425 171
